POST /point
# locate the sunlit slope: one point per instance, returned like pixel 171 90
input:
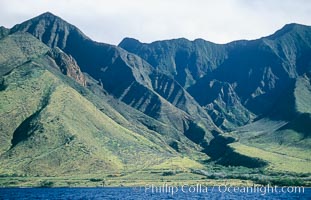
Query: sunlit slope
pixel 51 125
pixel 17 49
pixel 285 145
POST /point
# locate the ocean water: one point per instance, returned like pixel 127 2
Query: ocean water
pixel 146 193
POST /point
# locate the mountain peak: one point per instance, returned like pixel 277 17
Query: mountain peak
pixel 50 17
pixel 49 28
pixel 293 25
pixel 47 14
pixel 133 43
pixel 287 29
pixel 130 40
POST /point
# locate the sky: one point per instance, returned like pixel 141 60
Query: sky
pixel 219 21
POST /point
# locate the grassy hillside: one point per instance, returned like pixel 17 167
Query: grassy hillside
pixel 50 138
pixel 285 145
pixel 79 112
pixel 53 126
pixel 17 49
pixel 122 75
pixel 280 158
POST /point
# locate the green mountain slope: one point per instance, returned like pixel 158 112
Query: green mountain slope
pixel 17 49
pixel 70 105
pixel 48 138
pixel 285 144
pixel 259 90
pixel 123 75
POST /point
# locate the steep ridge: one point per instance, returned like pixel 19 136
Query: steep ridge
pixel 122 74
pixel 254 74
pixel 258 70
pixel 42 134
pixel 67 65
pixel 189 61
pixel 186 61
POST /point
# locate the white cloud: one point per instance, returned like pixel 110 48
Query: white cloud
pixel 148 20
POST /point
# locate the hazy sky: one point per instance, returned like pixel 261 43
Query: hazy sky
pixel 218 21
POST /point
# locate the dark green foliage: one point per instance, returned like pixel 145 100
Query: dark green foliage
pixel 96 180
pixel 2 85
pixel 281 181
pixel 46 184
pixel 174 145
pixel 168 173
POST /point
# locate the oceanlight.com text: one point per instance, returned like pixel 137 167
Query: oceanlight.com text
pixel 199 188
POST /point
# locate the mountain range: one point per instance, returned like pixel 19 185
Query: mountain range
pixel 70 105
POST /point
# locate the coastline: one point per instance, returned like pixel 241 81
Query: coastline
pixel 71 182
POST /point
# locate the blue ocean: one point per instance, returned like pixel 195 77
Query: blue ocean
pixel 143 193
